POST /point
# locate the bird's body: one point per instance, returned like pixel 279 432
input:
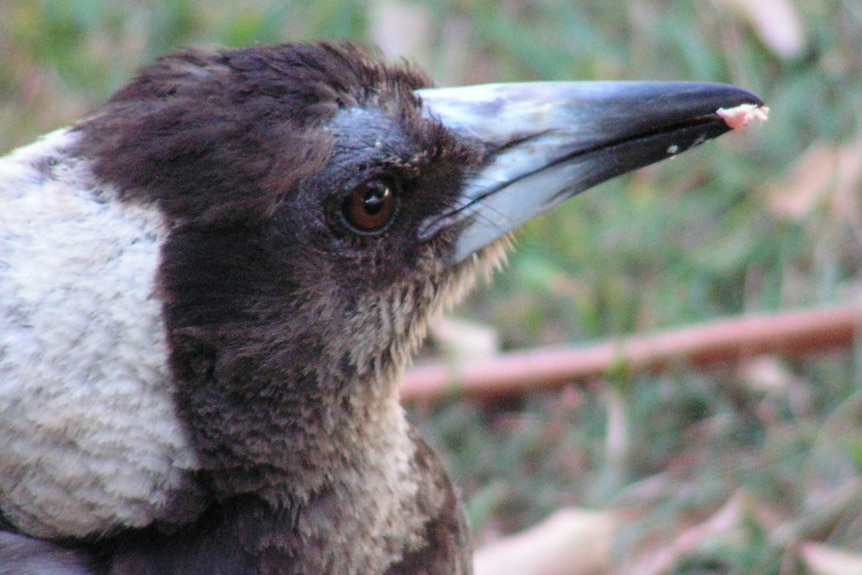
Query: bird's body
pixel 314 422
pixel 210 289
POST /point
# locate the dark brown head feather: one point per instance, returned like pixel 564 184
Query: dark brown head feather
pixel 220 137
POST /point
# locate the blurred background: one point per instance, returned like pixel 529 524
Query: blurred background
pixel 764 454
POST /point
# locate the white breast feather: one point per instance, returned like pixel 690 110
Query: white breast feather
pixel 89 439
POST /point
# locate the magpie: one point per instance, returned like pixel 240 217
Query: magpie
pixel 211 286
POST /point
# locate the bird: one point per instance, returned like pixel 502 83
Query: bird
pixel 211 286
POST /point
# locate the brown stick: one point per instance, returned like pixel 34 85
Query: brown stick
pixel 787 333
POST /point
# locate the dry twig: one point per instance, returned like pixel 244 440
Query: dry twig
pixel 725 340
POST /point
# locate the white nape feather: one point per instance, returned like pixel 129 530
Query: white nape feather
pixel 89 439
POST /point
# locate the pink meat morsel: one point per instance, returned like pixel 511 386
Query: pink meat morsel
pixel 740 116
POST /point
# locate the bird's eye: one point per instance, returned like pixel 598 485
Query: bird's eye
pixel 371 205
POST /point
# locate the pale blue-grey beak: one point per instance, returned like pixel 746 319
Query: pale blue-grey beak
pixel 548 141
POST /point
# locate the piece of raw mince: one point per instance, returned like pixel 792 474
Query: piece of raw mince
pixel 741 116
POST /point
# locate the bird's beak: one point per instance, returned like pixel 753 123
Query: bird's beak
pixel 548 141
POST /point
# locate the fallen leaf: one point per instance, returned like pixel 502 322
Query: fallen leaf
pixel 460 340
pixel 776 22
pixel 401 29
pixel 570 542
pixel 827 560
pixel 658 559
pixel 827 175
pixel 768 375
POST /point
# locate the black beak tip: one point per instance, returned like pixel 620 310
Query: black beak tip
pixel 551 141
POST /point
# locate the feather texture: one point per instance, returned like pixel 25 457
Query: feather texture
pixel 91 439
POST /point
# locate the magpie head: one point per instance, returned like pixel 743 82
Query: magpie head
pixel 295 181
pixel 323 206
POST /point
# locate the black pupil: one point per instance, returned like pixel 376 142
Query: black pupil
pixel 375 199
pixel 371 206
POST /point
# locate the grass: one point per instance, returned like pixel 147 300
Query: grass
pixel 718 231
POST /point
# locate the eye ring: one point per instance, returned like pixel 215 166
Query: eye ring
pixel 371 206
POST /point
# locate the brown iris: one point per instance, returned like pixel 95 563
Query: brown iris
pixel 371 206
